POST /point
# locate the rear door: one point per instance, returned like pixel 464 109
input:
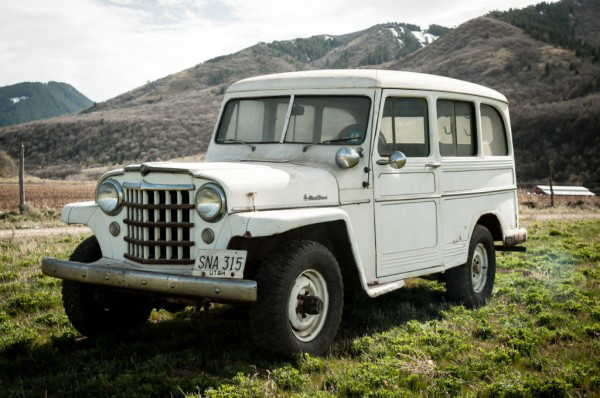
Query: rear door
pixel 407 200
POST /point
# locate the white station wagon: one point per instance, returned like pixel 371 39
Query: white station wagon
pixel 314 183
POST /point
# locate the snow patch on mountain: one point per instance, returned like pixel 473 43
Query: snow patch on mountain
pixel 18 99
pixel 424 37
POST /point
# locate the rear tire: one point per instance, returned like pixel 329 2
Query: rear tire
pixel 300 300
pixel 471 284
pixel 93 309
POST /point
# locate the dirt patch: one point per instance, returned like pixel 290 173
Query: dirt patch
pixel 27 233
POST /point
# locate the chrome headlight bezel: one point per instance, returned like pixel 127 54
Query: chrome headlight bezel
pixel 118 197
pixel 220 203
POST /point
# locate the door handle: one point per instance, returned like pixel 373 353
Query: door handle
pixel 433 165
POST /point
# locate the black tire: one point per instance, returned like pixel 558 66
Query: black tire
pixel 91 316
pixel 270 320
pixel 464 284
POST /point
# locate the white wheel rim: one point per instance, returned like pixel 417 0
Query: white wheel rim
pixel 479 268
pixel 306 326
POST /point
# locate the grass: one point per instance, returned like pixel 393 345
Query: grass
pixel 32 218
pixel 538 336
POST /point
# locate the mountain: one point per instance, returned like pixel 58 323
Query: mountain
pixel 552 81
pixel 24 102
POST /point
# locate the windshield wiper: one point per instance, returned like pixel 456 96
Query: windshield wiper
pixel 234 141
pixel 332 141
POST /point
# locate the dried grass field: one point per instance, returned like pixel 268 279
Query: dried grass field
pixel 45 195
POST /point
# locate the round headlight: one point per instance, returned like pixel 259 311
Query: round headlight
pixel 109 197
pixel 210 202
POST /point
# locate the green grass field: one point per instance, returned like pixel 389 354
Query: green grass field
pixel 539 336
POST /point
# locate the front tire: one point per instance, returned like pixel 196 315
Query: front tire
pixel 93 309
pixel 300 300
pixel 471 284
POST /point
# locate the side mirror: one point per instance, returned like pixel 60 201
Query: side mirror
pixel 397 160
pixel 347 157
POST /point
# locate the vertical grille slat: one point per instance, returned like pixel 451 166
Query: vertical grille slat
pixel 159 225
pixel 179 230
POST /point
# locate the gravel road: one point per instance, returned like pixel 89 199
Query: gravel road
pixel 26 233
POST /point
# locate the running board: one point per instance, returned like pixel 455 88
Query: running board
pixel 510 248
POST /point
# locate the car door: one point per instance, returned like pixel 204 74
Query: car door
pixel 407 199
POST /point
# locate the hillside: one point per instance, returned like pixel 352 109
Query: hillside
pixel 554 95
pixel 174 116
pixel 24 102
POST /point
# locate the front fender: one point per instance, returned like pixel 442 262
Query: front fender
pixel 268 223
pixel 78 213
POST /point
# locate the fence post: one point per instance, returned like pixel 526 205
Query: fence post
pixel 550 181
pixel 22 180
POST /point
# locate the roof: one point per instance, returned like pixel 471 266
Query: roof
pixel 565 190
pixel 362 78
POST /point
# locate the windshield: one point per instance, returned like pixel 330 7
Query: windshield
pixel 312 119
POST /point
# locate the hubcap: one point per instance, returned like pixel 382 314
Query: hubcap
pixel 479 268
pixel 308 304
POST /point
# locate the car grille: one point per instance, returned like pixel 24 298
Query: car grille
pixel 158 223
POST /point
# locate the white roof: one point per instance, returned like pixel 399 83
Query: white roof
pixel 566 190
pixel 362 78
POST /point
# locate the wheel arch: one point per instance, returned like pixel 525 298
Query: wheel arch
pixel 492 222
pixel 332 231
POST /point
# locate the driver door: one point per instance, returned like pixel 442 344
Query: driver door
pixel 407 200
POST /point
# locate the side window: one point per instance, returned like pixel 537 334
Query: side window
pixel 404 127
pixel 456 128
pixel 493 132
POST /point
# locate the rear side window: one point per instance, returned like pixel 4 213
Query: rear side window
pixel 456 128
pixel 493 132
pixel 404 127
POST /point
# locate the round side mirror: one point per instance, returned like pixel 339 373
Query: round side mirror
pixel 397 160
pixel 347 157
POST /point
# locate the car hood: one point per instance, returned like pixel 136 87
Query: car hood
pixel 259 185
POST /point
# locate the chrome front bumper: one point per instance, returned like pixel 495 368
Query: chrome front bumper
pixel 239 290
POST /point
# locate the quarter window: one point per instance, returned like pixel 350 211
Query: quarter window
pixel 493 133
pixel 404 127
pixel 456 128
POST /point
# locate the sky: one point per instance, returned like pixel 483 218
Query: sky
pixel 107 47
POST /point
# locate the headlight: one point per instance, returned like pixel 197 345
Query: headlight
pixel 210 202
pixel 109 196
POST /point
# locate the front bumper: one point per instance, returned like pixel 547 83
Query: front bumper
pixel 99 273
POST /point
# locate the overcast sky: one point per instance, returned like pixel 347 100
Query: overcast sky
pixel 107 47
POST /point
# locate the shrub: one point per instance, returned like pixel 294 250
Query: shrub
pixel 288 378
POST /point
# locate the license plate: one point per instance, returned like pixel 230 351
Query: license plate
pixel 220 263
